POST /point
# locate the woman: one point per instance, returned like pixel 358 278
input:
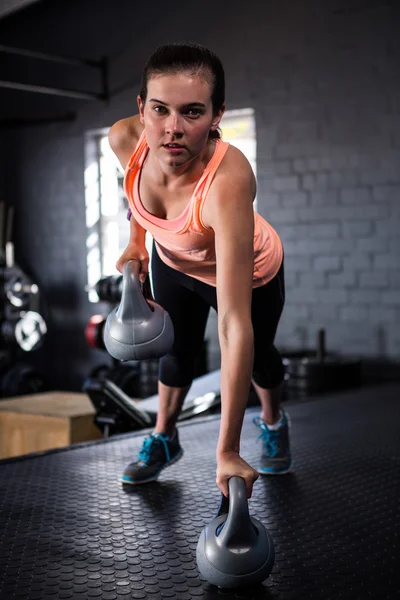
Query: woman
pixel 194 193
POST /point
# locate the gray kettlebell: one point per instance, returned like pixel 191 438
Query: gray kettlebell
pixel 235 549
pixel 139 328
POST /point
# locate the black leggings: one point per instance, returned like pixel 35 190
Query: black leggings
pixel 188 303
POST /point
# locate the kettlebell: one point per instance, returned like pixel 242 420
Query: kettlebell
pixel 235 549
pixel 139 328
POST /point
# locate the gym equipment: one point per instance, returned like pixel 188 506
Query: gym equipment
pixel 234 549
pixel 22 327
pixel 109 289
pixel 18 378
pixel 26 332
pixel 139 328
pixel 18 291
pixel 313 372
pixel 117 413
pixel 126 376
pixel 94 331
pixel 30 331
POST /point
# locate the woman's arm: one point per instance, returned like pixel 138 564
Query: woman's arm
pixel 123 138
pixel 229 211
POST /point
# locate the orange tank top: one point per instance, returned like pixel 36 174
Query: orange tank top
pixel 185 243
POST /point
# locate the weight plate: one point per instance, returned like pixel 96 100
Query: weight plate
pixel 332 373
pixel 21 379
pixel 30 331
pixel 94 331
pixel 19 291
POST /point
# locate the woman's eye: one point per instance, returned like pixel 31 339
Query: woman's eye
pixel 194 112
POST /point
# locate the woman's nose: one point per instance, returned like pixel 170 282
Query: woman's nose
pixel 174 125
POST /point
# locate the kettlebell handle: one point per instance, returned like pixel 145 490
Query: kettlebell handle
pixel 133 269
pixel 133 302
pixel 238 528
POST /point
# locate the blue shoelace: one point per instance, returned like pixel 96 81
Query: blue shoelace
pixel 148 443
pixel 270 438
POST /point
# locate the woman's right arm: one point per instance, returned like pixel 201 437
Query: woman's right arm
pixel 136 248
pixel 123 138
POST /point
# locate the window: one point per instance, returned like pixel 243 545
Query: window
pixel 107 206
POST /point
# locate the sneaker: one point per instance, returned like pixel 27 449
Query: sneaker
pixel 276 458
pixel 158 451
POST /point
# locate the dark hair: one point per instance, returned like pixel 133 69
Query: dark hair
pixel 186 56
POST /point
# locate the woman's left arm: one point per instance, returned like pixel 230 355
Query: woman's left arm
pixel 230 214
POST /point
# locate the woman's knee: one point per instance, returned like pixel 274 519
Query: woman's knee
pixel 177 370
pixel 268 368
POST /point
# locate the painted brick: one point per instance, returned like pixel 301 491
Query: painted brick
pixel 387 227
pixel 341 179
pixel 327 263
pixel 278 167
pixel 380 176
pixel 365 297
pixel 354 314
pixel 300 165
pixel 354 229
pixel 283 184
pixel 332 296
pixel 374 279
pixel 312 280
pixel 301 311
pixel 344 279
pixel 282 215
pixel 297 263
pixel 305 295
pixel 326 198
pixel 318 214
pixel 358 261
pixel 391 298
pixel 312 247
pixel 291 279
pixel 386 261
pixel 323 314
pixel 317 182
pixel 389 315
pixel 355 196
pixel 294 199
pixel 395 279
pixel 373 244
pixel 387 193
pixel 269 200
pixel 292 150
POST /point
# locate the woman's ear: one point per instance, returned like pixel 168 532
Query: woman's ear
pixel 141 109
pixel 217 119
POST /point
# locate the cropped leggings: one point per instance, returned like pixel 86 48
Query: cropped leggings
pixel 188 303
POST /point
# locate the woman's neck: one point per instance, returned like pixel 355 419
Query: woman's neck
pixel 182 175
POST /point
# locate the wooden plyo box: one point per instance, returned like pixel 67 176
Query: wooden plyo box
pixel 45 421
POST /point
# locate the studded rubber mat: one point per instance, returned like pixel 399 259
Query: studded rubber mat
pixel 69 529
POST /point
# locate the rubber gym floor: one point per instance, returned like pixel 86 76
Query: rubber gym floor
pixel 69 529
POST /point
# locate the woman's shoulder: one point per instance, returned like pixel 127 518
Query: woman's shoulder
pixel 124 136
pixel 235 165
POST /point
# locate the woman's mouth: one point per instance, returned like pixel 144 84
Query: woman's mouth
pixel 174 148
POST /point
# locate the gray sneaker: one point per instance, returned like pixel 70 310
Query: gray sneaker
pixel 158 451
pixel 276 458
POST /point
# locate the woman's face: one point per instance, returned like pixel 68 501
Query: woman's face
pixel 178 116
